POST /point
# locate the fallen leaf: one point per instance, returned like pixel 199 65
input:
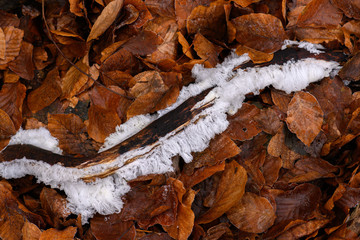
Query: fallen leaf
pixel 298 203
pixel 55 234
pixel 163 8
pixel 319 13
pixel 269 120
pixel 206 50
pixel 7 128
pixel 304 117
pixel 303 230
pixel 30 231
pixel 46 94
pixel 151 205
pixel 143 43
pixel 351 31
pixel 187 51
pixel 350 8
pixel 350 70
pixel 55 206
pixel 13 215
pixel 23 64
pixel 13 39
pixel 207 20
pixel 218 231
pixel 242 125
pixel 2 44
pixel 111 227
pixel 11 100
pixel 185 217
pixel 106 18
pixel 230 190
pixel 77 7
pixel 262 32
pixel 256 56
pixel 121 60
pixel 8 19
pixel 319 35
pixel 271 169
pixel 252 214
pixel 70 130
pixel 144 14
pixel 245 3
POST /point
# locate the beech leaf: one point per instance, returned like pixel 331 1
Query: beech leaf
pixel 106 18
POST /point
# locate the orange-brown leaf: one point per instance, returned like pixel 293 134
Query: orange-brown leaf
pixel 351 8
pixel 13 39
pixel 55 206
pixel 30 231
pixel 106 18
pixel 7 128
pixel 55 234
pixel 46 94
pixel 206 50
pixel 262 32
pixel 230 190
pixel 23 64
pixel 304 117
pixel 252 214
pixel 111 227
pixel 208 20
pixel 185 217
pixel 256 56
pixel 245 3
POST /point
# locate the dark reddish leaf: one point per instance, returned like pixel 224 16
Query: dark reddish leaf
pixel 217 231
pixel 299 203
pixel 23 64
pixel 349 199
pixel 8 19
pixel 151 205
pixel 319 35
pixel 350 71
pixel 262 32
pixel 163 8
pixel 7 128
pixel 144 43
pixel 121 60
pixel 271 168
pixel 303 230
pixel 144 14
pixel 269 120
pixel 111 227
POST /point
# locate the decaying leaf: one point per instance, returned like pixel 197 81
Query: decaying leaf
pixel 304 117
pixel 262 32
pixel 111 227
pixel 11 44
pixel 252 213
pixel 230 190
pixel 106 18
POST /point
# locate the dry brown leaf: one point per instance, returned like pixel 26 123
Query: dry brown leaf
pixel 319 35
pixel 151 205
pixel 230 190
pixel 206 50
pixel 11 100
pixel 106 18
pixel 13 40
pixel 77 7
pixel 298 203
pixel 111 227
pixel 220 148
pixel 256 56
pixel 231 30
pixel 7 128
pixel 303 230
pixel 351 32
pixel 74 80
pixel 350 70
pixel 143 13
pixel 164 8
pixel 262 32
pixel 319 13
pixel 185 46
pixel 144 43
pixel 46 94
pixel 121 60
pixel 269 120
pixel 208 20
pixel 351 8
pixel 8 19
pixel 70 130
pixel 23 64
pixel 2 45
pixel 304 117
pixel 245 3
pixel 30 231
pixel 13 215
pixel 55 206
pixel 252 214
pixel 242 125
pixel 54 234
pixel 166 28
pixel 271 169
pixel 185 217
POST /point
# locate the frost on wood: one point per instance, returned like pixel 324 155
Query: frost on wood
pixel 227 89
